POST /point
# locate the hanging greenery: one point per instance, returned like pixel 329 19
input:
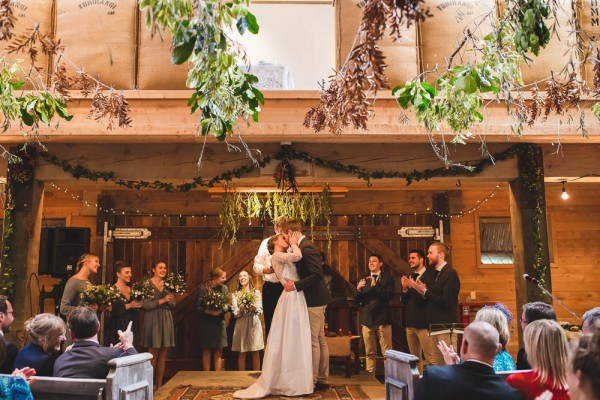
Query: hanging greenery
pixel 223 93
pixel 239 207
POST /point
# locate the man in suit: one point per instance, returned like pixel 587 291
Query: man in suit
pixel 87 359
pixel 272 288
pixel 533 311
pixel 373 296
pixel 6 320
pixel 312 283
pixel 474 378
pixel 441 296
pixel 417 322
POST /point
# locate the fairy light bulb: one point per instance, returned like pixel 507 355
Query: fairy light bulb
pixel 564 194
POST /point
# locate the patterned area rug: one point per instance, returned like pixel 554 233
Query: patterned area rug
pixel 335 392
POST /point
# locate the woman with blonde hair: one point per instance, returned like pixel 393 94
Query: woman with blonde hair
pixel 47 332
pixel 497 317
pixel 87 264
pixel 212 334
pixel 547 351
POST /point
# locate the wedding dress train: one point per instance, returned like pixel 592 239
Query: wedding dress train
pixel 287 362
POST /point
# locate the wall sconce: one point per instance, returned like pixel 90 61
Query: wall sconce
pixel 564 194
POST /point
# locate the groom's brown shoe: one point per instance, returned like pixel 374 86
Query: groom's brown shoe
pixel 321 386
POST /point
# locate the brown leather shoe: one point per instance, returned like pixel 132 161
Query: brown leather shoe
pixel 321 386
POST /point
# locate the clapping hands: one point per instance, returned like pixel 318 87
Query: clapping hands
pixel 126 337
pixel 450 356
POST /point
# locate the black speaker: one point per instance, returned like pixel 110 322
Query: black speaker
pixel 60 248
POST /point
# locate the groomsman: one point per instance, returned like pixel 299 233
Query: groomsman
pixel 272 288
pixel 441 296
pixel 417 322
pixel 373 296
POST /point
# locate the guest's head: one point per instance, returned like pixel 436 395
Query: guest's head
pixel 480 342
pixel 438 253
pixel 216 276
pixel 244 280
pixel 47 331
pixel 123 271
pixel 159 269
pixel 536 311
pixel 547 351
pixel 290 226
pixel 497 319
pixel 591 320
pixel 583 374
pixel 375 263
pixel 278 223
pixel 6 314
pixel 277 243
pixel 416 259
pixel 88 263
pixel 83 324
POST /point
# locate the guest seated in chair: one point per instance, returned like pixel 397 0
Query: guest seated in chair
pixel 547 351
pixel 499 316
pixel 47 332
pixel 583 373
pixel 474 378
pixel 87 359
pixel 14 386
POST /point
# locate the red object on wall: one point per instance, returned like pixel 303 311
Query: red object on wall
pixel 468 310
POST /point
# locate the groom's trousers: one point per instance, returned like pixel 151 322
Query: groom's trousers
pixel 320 351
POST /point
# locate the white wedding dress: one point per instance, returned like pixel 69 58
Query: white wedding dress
pixel 287 363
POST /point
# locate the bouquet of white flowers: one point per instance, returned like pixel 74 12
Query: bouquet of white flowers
pixel 247 299
pixel 175 283
pixel 214 300
pixel 99 294
pixel 142 290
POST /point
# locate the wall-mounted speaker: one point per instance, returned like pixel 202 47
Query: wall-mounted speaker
pixel 60 248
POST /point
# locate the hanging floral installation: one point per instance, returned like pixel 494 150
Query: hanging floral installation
pixel 457 98
pixel 223 92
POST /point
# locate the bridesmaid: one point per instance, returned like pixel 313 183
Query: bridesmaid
pixel 121 313
pixel 248 332
pixel 158 333
pixel 87 265
pixel 213 336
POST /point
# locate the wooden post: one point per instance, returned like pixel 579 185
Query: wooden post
pixel 529 229
pixel 441 211
pixel 28 196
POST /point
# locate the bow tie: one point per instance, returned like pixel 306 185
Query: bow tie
pixel 415 276
pixel 374 276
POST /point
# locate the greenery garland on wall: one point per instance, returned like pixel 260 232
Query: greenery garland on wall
pixel 287 153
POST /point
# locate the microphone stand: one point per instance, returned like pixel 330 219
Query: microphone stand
pixel 539 285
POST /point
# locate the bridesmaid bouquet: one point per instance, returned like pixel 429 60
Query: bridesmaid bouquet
pixel 247 299
pixel 99 294
pixel 215 300
pixel 114 296
pixel 142 290
pixel 175 283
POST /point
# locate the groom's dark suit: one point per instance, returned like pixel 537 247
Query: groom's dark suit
pixel 312 284
pixel 312 279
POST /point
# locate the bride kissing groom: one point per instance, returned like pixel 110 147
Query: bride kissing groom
pixel 296 339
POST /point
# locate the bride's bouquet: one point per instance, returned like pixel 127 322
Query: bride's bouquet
pixel 175 283
pixel 99 294
pixel 215 300
pixel 142 290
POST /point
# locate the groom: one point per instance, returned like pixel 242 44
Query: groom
pixel 312 283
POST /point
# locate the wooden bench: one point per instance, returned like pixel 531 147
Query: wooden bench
pixel 129 378
pixel 402 375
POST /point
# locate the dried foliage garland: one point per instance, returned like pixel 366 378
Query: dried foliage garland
pixel 345 101
pixel 242 207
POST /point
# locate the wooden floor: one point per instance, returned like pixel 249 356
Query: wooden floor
pixel 370 385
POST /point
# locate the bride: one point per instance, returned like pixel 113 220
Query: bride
pixel 287 363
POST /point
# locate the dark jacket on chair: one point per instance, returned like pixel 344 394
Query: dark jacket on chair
pixel 87 359
pixel 470 380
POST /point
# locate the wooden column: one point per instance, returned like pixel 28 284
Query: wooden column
pixel 529 228
pixel 441 212
pixel 27 218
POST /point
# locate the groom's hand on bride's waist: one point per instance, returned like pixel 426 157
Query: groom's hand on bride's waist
pixel 289 285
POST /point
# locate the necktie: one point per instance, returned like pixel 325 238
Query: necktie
pixel 435 275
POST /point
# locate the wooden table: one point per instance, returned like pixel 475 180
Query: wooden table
pixel 343 348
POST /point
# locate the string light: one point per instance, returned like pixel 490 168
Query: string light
pixel 470 210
